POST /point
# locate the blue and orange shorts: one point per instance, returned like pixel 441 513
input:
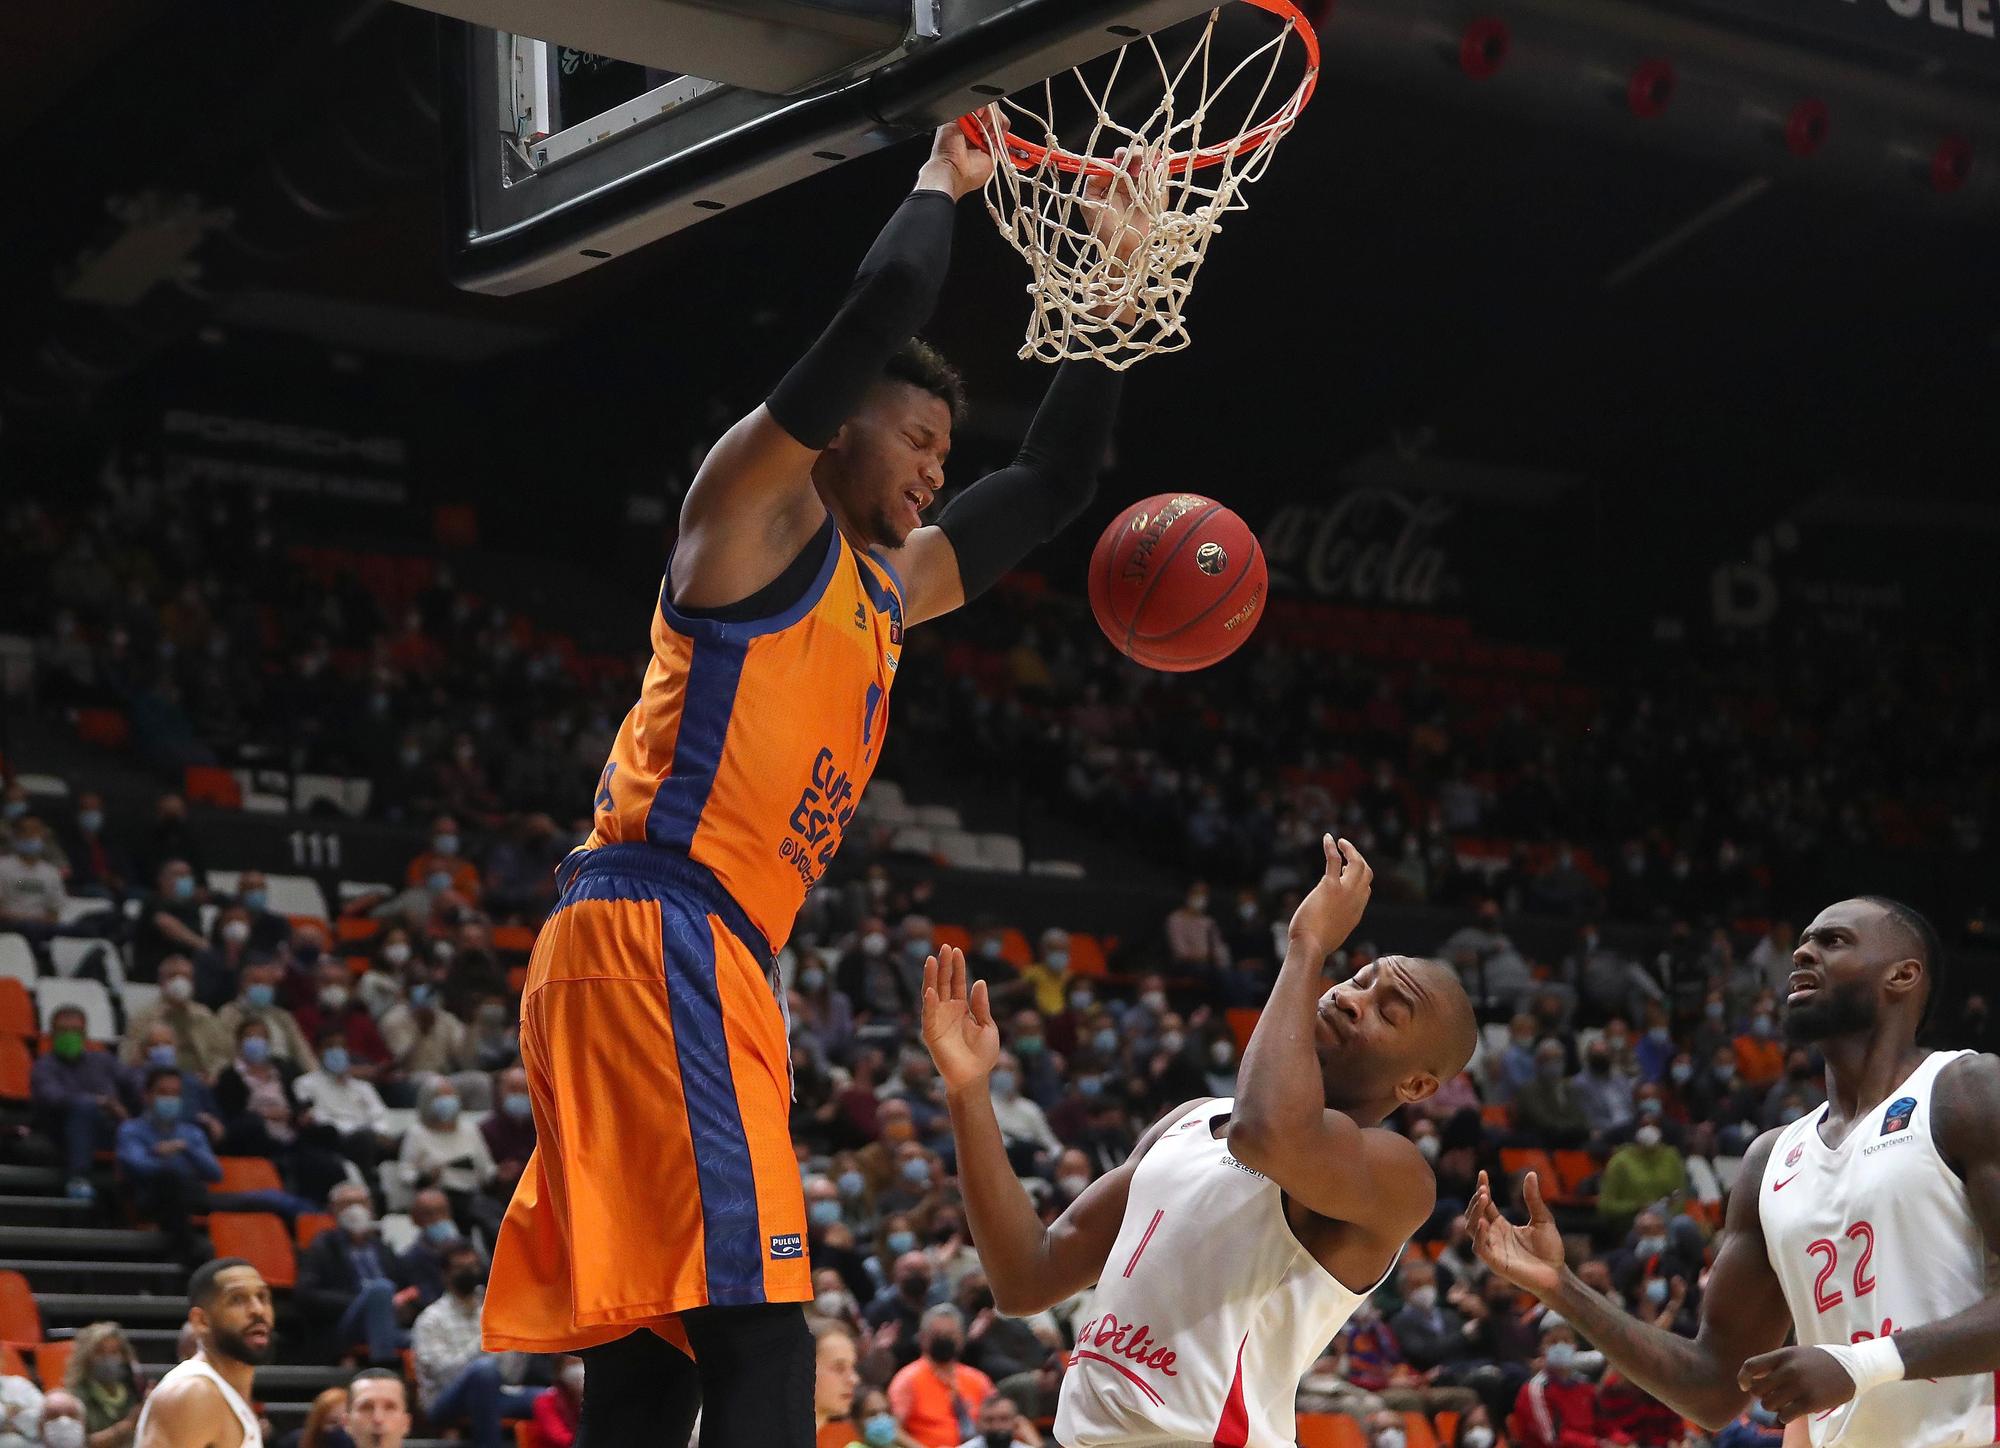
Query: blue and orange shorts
pixel 658 1061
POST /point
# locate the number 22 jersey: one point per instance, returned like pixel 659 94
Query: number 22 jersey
pixel 1873 1236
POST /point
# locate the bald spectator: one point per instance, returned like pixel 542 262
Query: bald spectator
pixel 169 920
pixel 901 1304
pixel 258 1002
pixel 378 1409
pixel 201 1045
pixel 422 1037
pixel 423 1259
pixel 510 1130
pixel 443 866
pixel 932 1397
pixel 350 1284
pixel 78 1097
pixel 31 886
pixel 21 1413
pixel 63 1420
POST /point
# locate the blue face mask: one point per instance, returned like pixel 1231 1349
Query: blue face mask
pixel 879 1431
pixel 901 1242
pixel 1106 1041
pixel 1656 1292
pixel 256 899
pixel 439 881
pixel 28 848
pixel 167 1108
pixel 441 1232
pixel 823 1213
pixel 260 997
pixel 335 1060
pixel 444 1110
pixel 1004 1083
pixel 812 979
pixel 851 1184
pixel 422 993
pixel 256 1050
pixel 16 808
pixel 184 887
pixel 90 821
pixel 917 1172
pixel 444 844
pixel 519 1105
pixel 161 1056
pixel 1091 1086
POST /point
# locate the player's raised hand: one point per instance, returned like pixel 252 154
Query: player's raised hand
pixel 1530 1257
pixel 957 165
pixel 958 1023
pixel 1329 914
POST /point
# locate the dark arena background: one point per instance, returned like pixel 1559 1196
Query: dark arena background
pixel 1613 391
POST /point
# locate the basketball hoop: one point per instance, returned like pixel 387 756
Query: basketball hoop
pixel 1113 288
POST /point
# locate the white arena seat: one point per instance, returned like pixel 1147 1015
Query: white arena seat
pixel 1001 852
pixel 43 786
pixel 938 816
pixel 136 997
pixel 885 791
pixel 297 895
pixel 224 882
pixel 17 958
pixel 67 953
pixel 52 993
pixel 1057 869
pixel 913 840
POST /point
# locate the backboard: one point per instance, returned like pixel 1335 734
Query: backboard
pixel 581 130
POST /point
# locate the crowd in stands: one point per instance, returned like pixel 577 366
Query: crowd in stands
pixel 372 1060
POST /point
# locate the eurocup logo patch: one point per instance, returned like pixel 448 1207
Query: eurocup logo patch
pixel 1792 1156
pixel 788 1244
pixel 1898 1115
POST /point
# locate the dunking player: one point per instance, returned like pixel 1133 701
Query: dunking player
pixel 1239 1236
pixel 205 1401
pixel 1868 1228
pixel 663 1204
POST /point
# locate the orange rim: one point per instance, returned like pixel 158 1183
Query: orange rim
pixel 1026 155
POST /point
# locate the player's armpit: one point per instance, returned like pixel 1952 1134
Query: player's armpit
pixel 1373 1178
pixel 927 564
pixel 1966 1104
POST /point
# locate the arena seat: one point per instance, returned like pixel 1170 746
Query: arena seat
pixel 1574 1168
pixel 1330 1430
pixel 912 840
pixel 12 1364
pixel 1517 1159
pixel 1447 1425
pixel 518 939
pixel 517 979
pixel 1242 1021
pixel 17 1010
pixel 53 993
pixel 20 1319
pixel 81 907
pixel 1497 1115
pixel 247 1174
pixel 1001 852
pixel 350 928
pixel 17 960
pixel 52 1361
pixel 136 997
pixel 1417 1431
pixel 309 1226
pixel 259 1238
pixel 68 954
pixel 1086 954
pixel 943 935
pixel 1057 869
pixel 296 895
pixel 938 816
pixel 210 785
pixel 957 848
pixel 1014 948
pixel 17 1066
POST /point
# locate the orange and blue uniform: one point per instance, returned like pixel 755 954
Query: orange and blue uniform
pixel 652 1024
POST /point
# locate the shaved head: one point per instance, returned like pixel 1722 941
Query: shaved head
pixel 1456 1027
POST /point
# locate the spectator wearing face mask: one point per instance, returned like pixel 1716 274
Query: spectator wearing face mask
pixel 351 1287
pixel 335 1009
pixel 104 1376
pixel 381 986
pixel 1604 1092
pixel 1760 1055
pixel 1557 1407
pixel 1047 974
pixel 443 866
pixel 159 1050
pixel 1549 1110
pixel 200 1043
pixel 1384 1429
pixel 835 1381
pixel 1647 1255
pixel 423 1038
pixel 1514 1069
pixel 870 977
pixel 219 968
pixel 934 1397
pixel 879 1428
pixel 900 1305
pixel 510 1130
pixel 1000 1346
pixel 559 1409
pixel 63 1420
pixel 258 1002
pixel 268 929
pixel 1718 1094
pixel 458 1383
pixel 1194 940
pixel 437 1234
pixel 824 1011
pixel 343 1103
pixel 1006 986
pixel 1433 1338
pixel 31 885
pixel 1000 1423
pixel 445 1150
pixel 167 1162
pixel 98 867
pixel 1031 1146
pixel 1801 1087
pixel 79 1097
pixel 1646 1169
pixel 1041 1077
pixel 1474 1430
pixel 169 921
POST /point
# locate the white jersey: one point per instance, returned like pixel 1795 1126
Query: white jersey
pixel 199 1366
pixel 1873 1236
pixel 1209 1311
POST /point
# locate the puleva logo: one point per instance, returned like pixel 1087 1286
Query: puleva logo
pixel 1898 1115
pixel 788 1244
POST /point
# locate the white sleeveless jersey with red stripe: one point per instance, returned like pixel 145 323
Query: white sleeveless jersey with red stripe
pixel 1873 1236
pixel 1209 1311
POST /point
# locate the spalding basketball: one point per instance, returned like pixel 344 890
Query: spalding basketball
pixel 1178 582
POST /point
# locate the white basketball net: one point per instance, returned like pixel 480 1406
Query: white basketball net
pixel 1115 291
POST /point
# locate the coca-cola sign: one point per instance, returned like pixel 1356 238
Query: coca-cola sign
pixel 1370 545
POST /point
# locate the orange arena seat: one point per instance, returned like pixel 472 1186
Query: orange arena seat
pixel 259 1238
pixel 517 939
pixel 247 1174
pixel 1330 1430
pixel 1447 1426
pixel 51 1362
pixel 1417 1431
pixel 356 927
pixel 1086 955
pixel 16 1066
pixel 1574 1168
pixel 17 1012
pixel 20 1319
pixel 958 935
pixel 12 1364
pixel 310 1225
pixel 1242 1021
pixel 206 784
pixel 1014 948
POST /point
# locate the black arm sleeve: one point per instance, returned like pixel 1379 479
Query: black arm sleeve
pixel 1000 519
pixel 892 297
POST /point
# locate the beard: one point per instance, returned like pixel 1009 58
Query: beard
pixel 233 1345
pixel 1835 1010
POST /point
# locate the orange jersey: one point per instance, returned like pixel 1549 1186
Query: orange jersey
pixel 751 742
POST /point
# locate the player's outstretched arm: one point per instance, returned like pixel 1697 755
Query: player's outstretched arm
pixel 1030 1267
pixel 1282 1127
pixel 1743 1311
pixel 752 505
